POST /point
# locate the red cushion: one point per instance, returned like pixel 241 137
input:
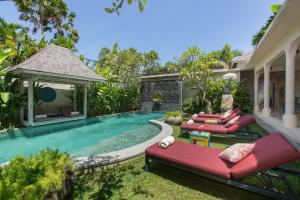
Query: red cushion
pixel 193 156
pixel 244 121
pixel 270 151
pixel 190 126
pixel 213 128
pixel 203 119
pixel 210 115
pixel 234 114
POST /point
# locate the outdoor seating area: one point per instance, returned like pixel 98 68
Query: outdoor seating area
pixel 155 101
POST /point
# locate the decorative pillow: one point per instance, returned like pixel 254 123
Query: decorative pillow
pixel 232 121
pixel 194 116
pixel 190 122
pixel 226 114
pixel 237 152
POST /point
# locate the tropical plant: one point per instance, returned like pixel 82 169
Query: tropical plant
pixel 38 177
pixel 118 4
pixel 226 54
pixel 10 102
pixel 259 35
pixel 190 105
pixel 176 113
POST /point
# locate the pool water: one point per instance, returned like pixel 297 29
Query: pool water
pixel 81 138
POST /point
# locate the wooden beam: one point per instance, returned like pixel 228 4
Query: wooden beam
pixel 30 102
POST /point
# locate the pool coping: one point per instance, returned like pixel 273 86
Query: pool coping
pixel 124 154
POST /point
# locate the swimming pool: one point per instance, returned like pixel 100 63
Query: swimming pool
pixel 83 137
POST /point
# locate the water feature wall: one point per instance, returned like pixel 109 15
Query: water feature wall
pixel 170 88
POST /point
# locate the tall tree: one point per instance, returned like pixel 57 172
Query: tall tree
pixel 226 54
pixel 48 16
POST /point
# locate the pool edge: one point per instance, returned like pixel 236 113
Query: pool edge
pixel 124 154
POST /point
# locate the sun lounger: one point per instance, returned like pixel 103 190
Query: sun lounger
pixel 215 115
pixel 269 153
pixel 221 120
pixel 243 122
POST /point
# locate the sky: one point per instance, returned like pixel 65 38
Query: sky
pixel 167 26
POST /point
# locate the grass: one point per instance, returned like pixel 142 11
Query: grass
pixel 129 181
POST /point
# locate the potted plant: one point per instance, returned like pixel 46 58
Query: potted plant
pixel 157 99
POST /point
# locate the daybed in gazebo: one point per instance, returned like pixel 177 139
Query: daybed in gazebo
pixel 53 64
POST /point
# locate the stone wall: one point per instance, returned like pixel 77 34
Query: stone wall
pixel 169 89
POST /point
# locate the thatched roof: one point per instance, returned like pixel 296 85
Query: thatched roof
pixel 57 61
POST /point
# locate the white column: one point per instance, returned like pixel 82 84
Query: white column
pixel 256 80
pixel 85 100
pixel 289 118
pixel 22 108
pixel 30 102
pixel 267 110
pixel 74 97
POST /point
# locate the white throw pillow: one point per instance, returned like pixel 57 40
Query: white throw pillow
pixel 237 152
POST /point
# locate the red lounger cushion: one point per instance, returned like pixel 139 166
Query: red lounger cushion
pixel 235 113
pixel 270 151
pixel 193 156
pixel 190 126
pixel 210 115
pixel 213 128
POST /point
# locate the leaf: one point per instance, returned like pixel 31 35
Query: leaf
pixel 4 96
pixel 141 6
pixel 275 8
pixel 129 2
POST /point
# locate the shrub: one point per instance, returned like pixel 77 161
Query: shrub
pixel 36 177
pixel 215 89
pixel 176 113
pixel 190 106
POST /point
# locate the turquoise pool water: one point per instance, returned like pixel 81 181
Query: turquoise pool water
pixel 81 138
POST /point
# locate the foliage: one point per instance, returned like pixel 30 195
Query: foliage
pixel 226 54
pixel 190 105
pixel 122 69
pixel 36 177
pixel 48 16
pixel 259 35
pixel 157 98
pixel 118 4
pixel 10 102
pixel 176 113
pixel 215 88
pixel 106 98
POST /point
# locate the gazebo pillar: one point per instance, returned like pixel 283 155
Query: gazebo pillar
pixel 74 97
pixel 85 100
pixel 30 102
pixel 22 108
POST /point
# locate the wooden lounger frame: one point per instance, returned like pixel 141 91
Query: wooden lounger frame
pixel 268 188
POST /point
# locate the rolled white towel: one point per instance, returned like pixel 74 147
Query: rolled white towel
pixel 190 122
pixel 201 113
pixel 40 116
pixel 166 142
pixel 75 113
pixel 194 116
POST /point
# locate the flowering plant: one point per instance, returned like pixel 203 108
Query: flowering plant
pixel 157 98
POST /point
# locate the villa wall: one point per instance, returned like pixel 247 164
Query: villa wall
pixel 248 79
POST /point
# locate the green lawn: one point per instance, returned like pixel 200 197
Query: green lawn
pixel 129 181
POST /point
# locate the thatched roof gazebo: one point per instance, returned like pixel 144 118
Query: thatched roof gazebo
pixel 53 64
